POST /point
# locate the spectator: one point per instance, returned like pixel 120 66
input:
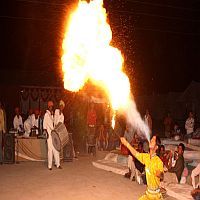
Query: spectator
pixel 195 172
pixel 2 119
pixel 91 123
pixel 168 125
pixel 136 168
pixel 196 194
pixel 189 125
pixel 102 139
pixel 148 121
pixel 179 166
pixel 164 156
pixel 2 131
pixel 176 132
pixel 17 121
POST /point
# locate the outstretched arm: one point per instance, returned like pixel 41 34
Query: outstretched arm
pixel 125 143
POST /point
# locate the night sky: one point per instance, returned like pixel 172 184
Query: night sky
pixel 160 41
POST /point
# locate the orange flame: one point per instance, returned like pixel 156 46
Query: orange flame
pixel 87 54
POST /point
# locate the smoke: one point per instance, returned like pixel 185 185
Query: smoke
pixel 135 120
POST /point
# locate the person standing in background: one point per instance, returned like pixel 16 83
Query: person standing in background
pixel 148 121
pixel 2 130
pixel 189 125
pixel 17 121
pixel 91 124
pixel 168 125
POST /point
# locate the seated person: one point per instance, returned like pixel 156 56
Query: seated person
pixel 164 156
pixel 136 168
pixel 36 121
pixel 195 172
pixel 176 132
pixel 196 194
pixel 180 164
pixel 17 121
pixel 32 122
pixel 28 123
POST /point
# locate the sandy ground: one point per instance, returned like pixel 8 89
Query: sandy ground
pixel 78 180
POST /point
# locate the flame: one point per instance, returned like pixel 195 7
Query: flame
pixel 87 54
pixel 113 121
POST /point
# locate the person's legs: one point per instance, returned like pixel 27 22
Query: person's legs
pixel 131 166
pixel 195 172
pixel 56 155
pixel 50 154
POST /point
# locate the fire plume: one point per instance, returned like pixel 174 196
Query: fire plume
pixel 88 55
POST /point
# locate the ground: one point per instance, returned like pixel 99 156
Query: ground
pixel 78 180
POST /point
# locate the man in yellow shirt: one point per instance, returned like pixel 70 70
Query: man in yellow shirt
pixel 153 168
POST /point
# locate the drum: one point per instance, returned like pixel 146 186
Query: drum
pixel 60 136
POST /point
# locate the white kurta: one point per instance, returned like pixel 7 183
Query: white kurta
pixel 48 124
pixel 35 122
pixel 28 126
pixel 30 123
pixel 58 117
pixel 18 123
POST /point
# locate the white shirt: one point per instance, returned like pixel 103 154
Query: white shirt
pixel 34 121
pixel 58 117
pixel 48 122
pixel 18 123
pixel 189 125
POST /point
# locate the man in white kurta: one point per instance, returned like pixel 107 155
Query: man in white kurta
pixel 35 120
pixel 17 121
pixel 48 124
pixel 28 124
pixel 32 122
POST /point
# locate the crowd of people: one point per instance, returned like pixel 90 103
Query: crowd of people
pixel 34 125
pixel 148 162
pixel 157 166
pixel 145 159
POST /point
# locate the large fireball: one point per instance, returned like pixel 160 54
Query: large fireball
pixel 88 55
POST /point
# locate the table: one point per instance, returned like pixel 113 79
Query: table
pixel 30 149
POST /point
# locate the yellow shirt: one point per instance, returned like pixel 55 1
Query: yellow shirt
pixel 152 165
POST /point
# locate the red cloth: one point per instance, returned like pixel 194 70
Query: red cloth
pixel 124 150
pixel 91 118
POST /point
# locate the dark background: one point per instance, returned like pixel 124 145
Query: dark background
pixel 160 41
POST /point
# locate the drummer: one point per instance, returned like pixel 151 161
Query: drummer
pixel 59 116
pixel 48 124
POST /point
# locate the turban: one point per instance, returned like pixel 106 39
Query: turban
pixel 62 103
pixel 50 103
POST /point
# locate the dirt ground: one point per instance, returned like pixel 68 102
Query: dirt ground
pixel 78 180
